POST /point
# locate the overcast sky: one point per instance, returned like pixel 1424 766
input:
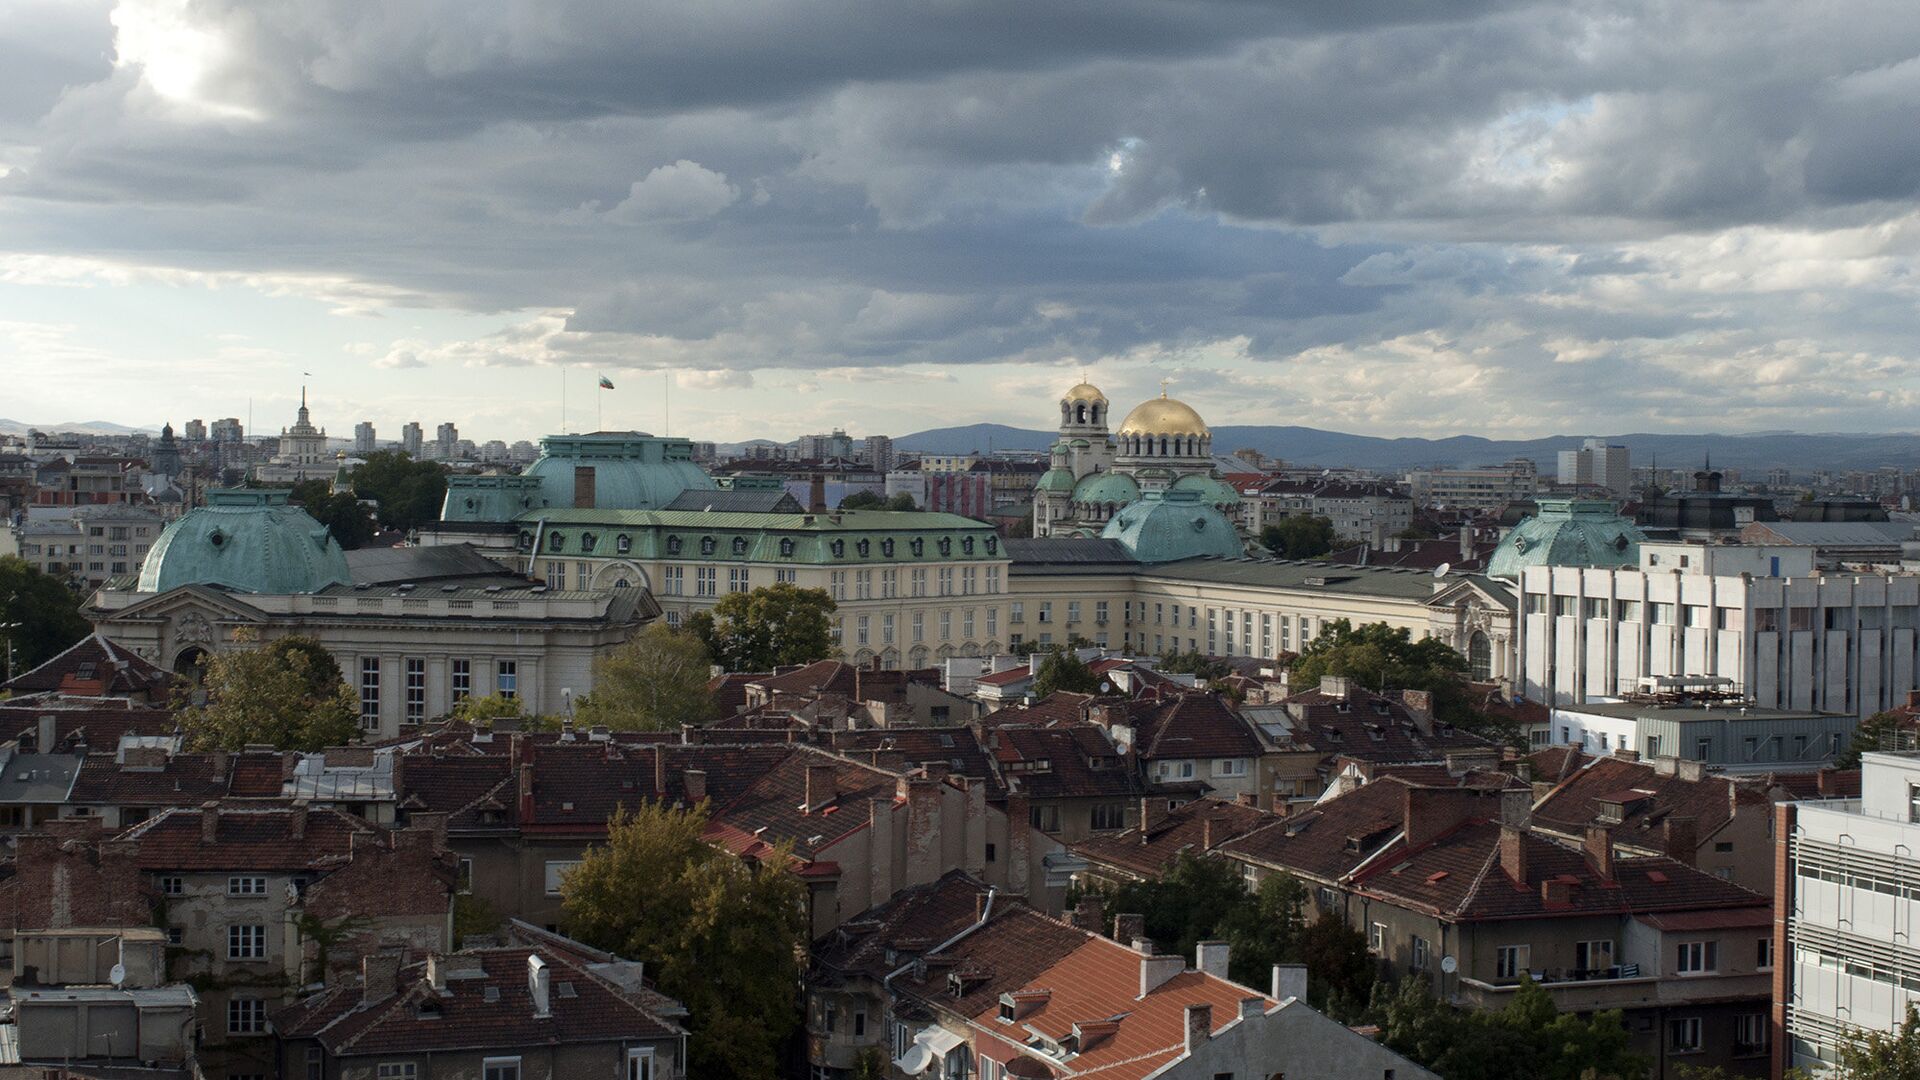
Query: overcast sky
pixel 1396 218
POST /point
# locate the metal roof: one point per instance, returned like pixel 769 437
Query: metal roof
pixel 1842 533
pixel 835 521
pixel 776 501
pixel 393 565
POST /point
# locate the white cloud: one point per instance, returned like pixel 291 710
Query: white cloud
pixel 682 191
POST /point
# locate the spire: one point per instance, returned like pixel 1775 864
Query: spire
pixel 1163 387
pixel 303 395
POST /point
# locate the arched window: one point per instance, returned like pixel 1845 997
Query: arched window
pixel 707 544
pixel 556 541
pixel 839 548
pixel 786 547
pixel 673 545
pixel 1080 414
pixel 587 540
pixel 919 546
pixel 993 544
pixel 862 547
pixel 1480 657
pixel 946 545
pixel 622 583
pixel 1095 413
pixel 886 547
pixel 739 545
pixel 966 546
pixel 623 543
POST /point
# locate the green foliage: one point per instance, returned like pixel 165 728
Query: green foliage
pixel 408 492
pixel 1528 1039
pixel 345 516
pixel 1414 532
pixel 1382 659
pixel 1064 670
pixel 1298 537
pixel 1195 662
pixel 481 712
pixel 657 681
pixel 868 500
pixel 473 917
pixel 769 627
pixel 38 614
pixel 721 937
pixel 1877 1055
pixel 288 694
pixel 1880 729
pixel 870 1064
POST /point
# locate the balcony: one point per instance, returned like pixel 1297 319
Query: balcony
pixel 1613 988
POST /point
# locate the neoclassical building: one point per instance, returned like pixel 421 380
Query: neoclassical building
pixel 302 454
pixel 1162 445
pixel 414 629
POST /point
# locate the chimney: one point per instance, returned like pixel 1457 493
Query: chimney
pixel 1824 779
pixel 1289 981
pixel 1086 914
pixel 1556 892
pixel 44 741
pixel 1598 844
pixel 1428 813
pixel 820 789
pixel 1199 1026
pixel 1466 543
pixel 696 784
pixel 436 972
pixel 1129 928
pixel 1336 686
pixel 379 977
pixel 1208 835
pixel 660 771
pixel 1692 771
pixel 1419 706
pixel 209 821
pixel 981 900
pixel 817 494
pixel 1210 957
pixel 1156 970
pixel 297 820
pixel 1680 839
pixel 537 986
pixel 1252 1007
pixel 1151 811
pixel 1513 854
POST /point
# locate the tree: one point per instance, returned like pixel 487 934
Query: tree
pixel 481 712
pixel 1064 670
pixel 345 516
pixel 723 938
pixel 1878 1055
pixel 1298 536
pixel 869 500
pixel 771 626
pixel 1528 1038
pixel 408 492
pixel 39 616
pixel 288 694
pixel 1881 730
pixel 1383 658
pixel 657 681
pixel 1196 663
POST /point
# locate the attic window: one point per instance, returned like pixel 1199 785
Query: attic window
pixel 216 538
pixel 623 543
pixel 966 546
pixel 946 545
pixel 945 739
pixel 556 541
pixel 673 545
pixel 492 994
pixel 707 545
pixel 739 545
pixel 587 541
pixel 565 989
pixel 993 545
pixel 886 547
pixel 1006 1007
pixel 428 1010
pixel 839 549
pixel 919 545
pixel 786 547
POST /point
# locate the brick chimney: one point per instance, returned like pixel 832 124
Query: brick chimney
pixel 696 784
pixel 1152 810
pixel 1513 854
pixel 297 820
pixel 1598 845
pixel 1419 706
pixel 1086 914
pixel 209 821
pixel 379 976
pixel 817 494
pixel 1127 928
pixel 1209 835
pixel 820 787
pixel 1679 838
pixel 1825 779
pixel 1199 1026
pixel 1427 813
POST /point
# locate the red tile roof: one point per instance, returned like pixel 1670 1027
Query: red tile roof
pixel 957 748
pixel 246 839
pixel 184 780
pixel 95 666
pixel 476 793
pixel 1646 799
pixel 1068 761
pixel 97 722
pixel 1151 852
pixel 1328 841
pixel 1193 726
pixel 1372 727
pixel 915 920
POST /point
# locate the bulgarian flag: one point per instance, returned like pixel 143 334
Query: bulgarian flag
pixel 606 383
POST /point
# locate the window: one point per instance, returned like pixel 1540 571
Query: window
pixel 946 626
pixel 462 680
pixel 172 886
pixel 500 1069
pixel 396 1070
pixel 736 579
pixel 1420 953
pixel 416 689
pixel 837 584
pixel 1377 939
pixel 785 575
pixel 1073 611
pixel 1763 953
pixel 1510 961
pixel 859 1023
pixel 1751 1034
pixel 1046 818
pixel 863 584
pixel 1016 612
pixel 1110 816
pixel 640 1064
pixel 1593 955
pixel 557 873
pixel 556 575
pixel 316 1063
pixel 1229 766
pixel 1653 746
pixel 464 876
pixel 1099 611
pixel 246 1016
pixel 706 581
pixel 245 886
pixel 506 679
pixel 889 579
pixel 1683 1035
pixel 946 581
pixel 676 581
pixel 1696 957
pixel 993 623
pixel 966 580
pixel 920 581
pixel 176 935
pixel 246 942
pixel 1176 770
pixel 370 691
pixel 1046 611
pixel 919 626
pixel 1913 802
pixel 860 630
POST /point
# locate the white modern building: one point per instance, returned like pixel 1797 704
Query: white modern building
pixel 1598 464
pixel 1784 637
pixel 1489 487
pixel 1846 907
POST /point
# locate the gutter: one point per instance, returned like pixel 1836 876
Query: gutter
pixel 539 537
pixel 986 913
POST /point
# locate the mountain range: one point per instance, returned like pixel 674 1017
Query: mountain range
pixel 86 427
pixel 1313 446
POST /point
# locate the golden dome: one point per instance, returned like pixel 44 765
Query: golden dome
pixel 1086 391
pixel 1164 416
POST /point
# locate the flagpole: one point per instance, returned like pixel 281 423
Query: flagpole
pixel 599 409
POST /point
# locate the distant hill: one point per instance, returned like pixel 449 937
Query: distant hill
pixel 89 427
pixel 1313 446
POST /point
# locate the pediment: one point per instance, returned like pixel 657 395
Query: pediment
pixel 1470 591
pixel 212 604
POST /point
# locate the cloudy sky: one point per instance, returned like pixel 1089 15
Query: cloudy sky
pixel 1417 217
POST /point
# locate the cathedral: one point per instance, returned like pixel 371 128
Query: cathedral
pixel 1162 446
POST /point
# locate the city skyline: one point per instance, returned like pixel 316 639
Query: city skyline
pixel 1637 219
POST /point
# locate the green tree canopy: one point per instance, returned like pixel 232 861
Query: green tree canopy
pixel 1877 1055
pixel 769 627
pixel 1298 536
pixel 657 681
pixel 1062 669
pixel 1882 729
pixel 345 516
pixel 39 616
pixel 481 712
pixel 722 938
pixel 869 500
pixel 1383 658
pixel 287 694
pixel 1194 662
pixel 408 492
pixel 1527 1039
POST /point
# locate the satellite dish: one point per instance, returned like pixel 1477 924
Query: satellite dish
pixel 1441 570
pixel 1449 965
pixel 916 1059
pixel 117 975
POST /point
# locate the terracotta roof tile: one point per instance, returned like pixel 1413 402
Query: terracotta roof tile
pixel 246 839
pixel 1151 852
pixel 1194 726
pixel 95 666
pixel 1646 801
pixel 1069 761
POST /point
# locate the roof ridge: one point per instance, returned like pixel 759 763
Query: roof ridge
pixel 1473 888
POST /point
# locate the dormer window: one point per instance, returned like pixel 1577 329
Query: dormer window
pixel 786 547
pixel 707 545
pixel 623 543
pixel 839 549
pixel 918 545
pixel 886 547
pixel 946 545
pixel 966 546
pixel 526 540
pixel 556 541
pixel 587 541
pixel 993 544
pixel 739 545
pixel 1007 1008
pixel 673 545
pixel 863 548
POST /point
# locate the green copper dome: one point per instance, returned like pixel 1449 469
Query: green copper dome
pixel 247 541
pixel 1568 532
pixel 1212 491
pixel 615 470
pixel 1170 525
pixel 1104 488
pixel 1055 480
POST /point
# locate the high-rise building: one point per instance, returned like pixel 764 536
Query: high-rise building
pixel 880 453
pixel 411 439
pixel 1598 464
pixel 228 430
pixel 826 447
pixel 446 440
pixel 363 440
pixel 195 431
pixel 1843 956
